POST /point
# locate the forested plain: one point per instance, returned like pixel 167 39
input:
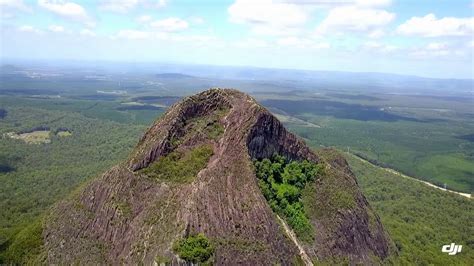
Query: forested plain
pixel 421 137
pixel 34 176
pixel 419 218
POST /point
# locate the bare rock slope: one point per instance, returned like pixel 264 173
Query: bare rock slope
pixel 127 216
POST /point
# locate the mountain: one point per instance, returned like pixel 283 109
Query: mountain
pixel 189 190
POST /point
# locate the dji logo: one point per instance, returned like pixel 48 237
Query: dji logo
pixel 451 249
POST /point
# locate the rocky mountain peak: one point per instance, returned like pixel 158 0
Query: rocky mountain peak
pixel 192 173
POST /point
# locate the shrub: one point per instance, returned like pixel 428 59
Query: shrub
pixel 194 248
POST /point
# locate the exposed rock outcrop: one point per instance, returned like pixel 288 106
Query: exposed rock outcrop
pixel 126 217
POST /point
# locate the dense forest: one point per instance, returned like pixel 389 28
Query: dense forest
pixel 34 176
pixel 420 219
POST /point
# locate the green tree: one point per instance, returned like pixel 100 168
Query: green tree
pixel 194 248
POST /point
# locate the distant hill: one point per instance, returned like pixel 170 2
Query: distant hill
pixel 173 76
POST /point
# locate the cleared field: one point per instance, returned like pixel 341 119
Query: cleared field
pixel 64 133
pixel 35 137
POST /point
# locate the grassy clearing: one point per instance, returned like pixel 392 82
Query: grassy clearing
pixel 64 134
pixel 35 137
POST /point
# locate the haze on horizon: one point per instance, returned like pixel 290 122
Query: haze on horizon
pixel 426 38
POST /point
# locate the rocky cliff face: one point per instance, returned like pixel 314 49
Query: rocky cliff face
pixel 125 216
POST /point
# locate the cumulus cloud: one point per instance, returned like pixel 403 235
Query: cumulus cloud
pixel 120 6
pixel 87 32
pixel 123 6
pixel 446 49
pixel 67 10
pixel 170 24
pixel 196 20
pixel 56 28
pixel 251 43
pixel 266 12
pixel 29 28
pixel 13 5
pixel 430 26
pixel 373 3
pixel 436 46
pixel 335 3
pixel 355 19
pixel 302 43
pixel 140 35
pixel 372 46
pixel 133 34
pixel 267 16
pixel 144 19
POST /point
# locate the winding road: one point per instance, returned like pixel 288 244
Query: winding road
pixel 467 195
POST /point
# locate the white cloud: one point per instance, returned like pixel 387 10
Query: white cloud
pixel 194 40
pixel 375 34
pixel 87 32
pixel 13 5
pixel 29 28
pixel 302 43
pixel 276 30
pixel 170 24
pixel 120 6
pixel 68 10
pixel 133 34
pixel 372 47
pixel 161 3
pixel 123 6
pixel 144 19
pixel 251 43
pixel 442 49
pixel 373 3
pixel 436 46
pixel 56 28
pixel 355 19
pixel 335 3
pixel 267 12
pixel 430 26
pixel 196 20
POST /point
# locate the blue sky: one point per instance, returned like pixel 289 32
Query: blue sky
pixel 424 37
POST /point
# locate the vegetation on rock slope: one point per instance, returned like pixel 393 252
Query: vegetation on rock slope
pixel 194 248
pixel 180 166
pixel 282 183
